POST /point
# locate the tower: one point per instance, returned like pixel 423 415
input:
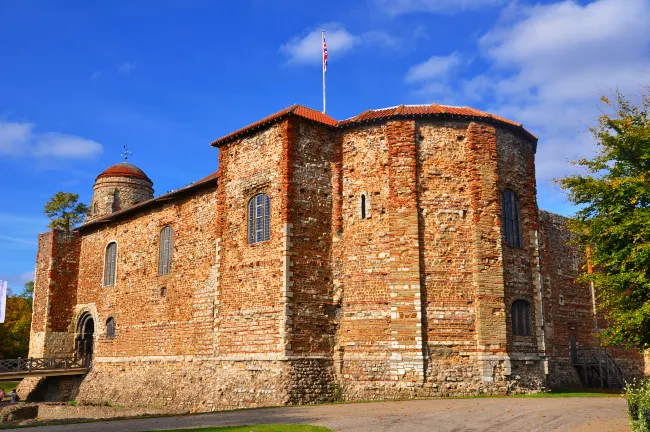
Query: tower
pixel 119 187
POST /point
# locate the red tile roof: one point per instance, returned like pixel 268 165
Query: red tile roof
pixel 425 110
pixel 400 111
pixel 297 110
pixel 124 169
pixel 212 178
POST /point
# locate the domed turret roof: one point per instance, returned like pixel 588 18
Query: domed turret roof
pixel 124 169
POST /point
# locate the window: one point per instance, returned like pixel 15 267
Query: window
pixel 110 328
pixel 364 205
pixel 94 208
pixel 510 218
pixel 259 218
pixel 521 318
pixel 110 262
pixel 165 250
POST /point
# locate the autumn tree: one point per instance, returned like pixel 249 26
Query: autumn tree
pixel 14 332
pixel 613 223
pixel 64 211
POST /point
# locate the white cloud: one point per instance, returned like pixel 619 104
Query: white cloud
pixel 127 67
pixel 19 139
pixel 399 7
pixel 436 67
pixel 66 146
pixel 547 66
pixel 307 49
pixel 13 136
pixel 16 281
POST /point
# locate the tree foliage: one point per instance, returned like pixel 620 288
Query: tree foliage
pixel 14 332
pixel 28 292
pixel 613 222
pixel 64 211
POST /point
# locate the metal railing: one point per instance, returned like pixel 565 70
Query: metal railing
pixel 42 364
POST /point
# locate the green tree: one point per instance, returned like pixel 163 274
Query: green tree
pixel 28 292
pixel 14 332
pixel 613 222
pixel 64 211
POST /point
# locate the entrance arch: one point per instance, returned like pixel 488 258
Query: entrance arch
pixel 84 339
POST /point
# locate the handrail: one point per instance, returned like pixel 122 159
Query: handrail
pixel 41 364
pixel 593 357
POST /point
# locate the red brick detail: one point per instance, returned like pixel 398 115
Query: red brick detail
pixel 55 285
pixel 406 305
pixel 488 267
pixel 311 157
pixel 63 277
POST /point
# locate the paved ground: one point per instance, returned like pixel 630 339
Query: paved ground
pixel 445 415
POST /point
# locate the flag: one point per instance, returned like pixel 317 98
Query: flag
pixel 324 54
pixel 3 300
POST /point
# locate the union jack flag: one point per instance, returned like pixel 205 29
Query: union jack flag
pixel 324 54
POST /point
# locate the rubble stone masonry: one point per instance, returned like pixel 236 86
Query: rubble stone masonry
pixel 385 275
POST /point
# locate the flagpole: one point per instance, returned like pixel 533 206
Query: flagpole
pixel 324 94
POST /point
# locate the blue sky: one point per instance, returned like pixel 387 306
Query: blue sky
pixel 78 79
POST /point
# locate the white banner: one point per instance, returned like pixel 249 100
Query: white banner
pixel 3 300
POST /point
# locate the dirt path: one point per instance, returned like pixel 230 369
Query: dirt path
pixel 446 415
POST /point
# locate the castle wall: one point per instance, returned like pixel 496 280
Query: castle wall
pixel 569 307
pixel 428 256
pixel 363 258
pixel 55 291
pixel 521 273
pixel 154 314
pixel 310 198
pixel 447 247
pixel 250 298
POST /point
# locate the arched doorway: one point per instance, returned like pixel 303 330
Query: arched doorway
pixel 84 339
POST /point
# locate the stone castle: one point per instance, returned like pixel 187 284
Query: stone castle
pixel 396 254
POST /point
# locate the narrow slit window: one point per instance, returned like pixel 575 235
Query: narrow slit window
pixel 110 264
pixel 259 219
pixel 521 320
pixel 110 328
pixel 511 218
pixel 363 206
pixel 165 250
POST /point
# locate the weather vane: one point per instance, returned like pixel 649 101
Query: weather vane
pixel 126 153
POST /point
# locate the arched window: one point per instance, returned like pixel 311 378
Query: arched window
pixel 94 208
pixel 110 328
pixel 259 218
pixel 110 264
pixel 521 318
pixel 510 218
pixel 165 250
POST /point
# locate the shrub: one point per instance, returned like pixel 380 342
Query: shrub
pixel 637 394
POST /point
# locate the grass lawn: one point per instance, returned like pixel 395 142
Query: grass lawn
pixel 8 385
pixel 258 428
pixel 573 393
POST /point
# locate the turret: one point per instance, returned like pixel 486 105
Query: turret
pixel 119 187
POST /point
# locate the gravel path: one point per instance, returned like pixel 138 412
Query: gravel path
pixel 600 414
